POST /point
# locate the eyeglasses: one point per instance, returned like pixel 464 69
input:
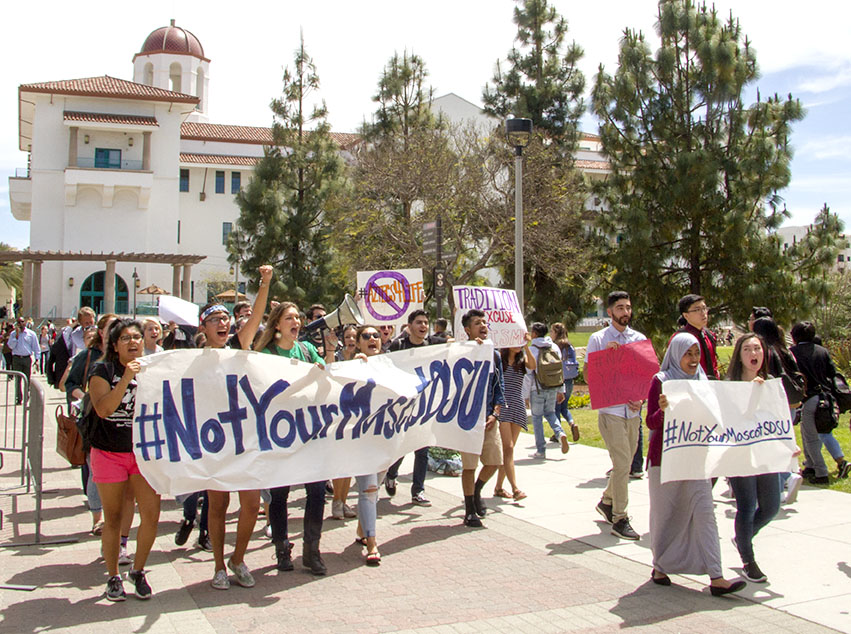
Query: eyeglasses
pixel 370 335
pixel 699 309
pixel 88 328
pixel 221 319
pixel 128 338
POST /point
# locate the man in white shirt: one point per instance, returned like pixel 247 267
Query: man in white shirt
pixel 619 424
pixel 24 345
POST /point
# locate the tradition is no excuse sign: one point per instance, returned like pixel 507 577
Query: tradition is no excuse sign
pixel 506 326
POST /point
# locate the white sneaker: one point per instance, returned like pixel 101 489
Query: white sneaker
pixel 538 455
pixel 337 510
pixel 220 580
pixel 268 531
pixel 793 485
pixel 123 558
pixel 348 511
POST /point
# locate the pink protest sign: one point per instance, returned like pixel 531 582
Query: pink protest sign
pixel 616 376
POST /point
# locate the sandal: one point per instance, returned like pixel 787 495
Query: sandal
pixel 373 559
pixel 500 493
pixel 361 541
pixel 519 495
pixel 97 529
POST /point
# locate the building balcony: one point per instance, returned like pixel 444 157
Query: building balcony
pixel 21 195
pixel 109 181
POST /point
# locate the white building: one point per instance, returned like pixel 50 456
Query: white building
pixel 132 172
pixel 791 235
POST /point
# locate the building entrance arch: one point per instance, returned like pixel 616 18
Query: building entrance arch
pixel 92 293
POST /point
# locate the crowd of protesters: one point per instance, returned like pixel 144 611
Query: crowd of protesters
pixel 99 357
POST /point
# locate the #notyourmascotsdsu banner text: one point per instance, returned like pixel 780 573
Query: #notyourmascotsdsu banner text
pixel 506 326
pixel 233 420
pixel 725 428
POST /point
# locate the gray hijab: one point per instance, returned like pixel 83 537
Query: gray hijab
pixel 670 369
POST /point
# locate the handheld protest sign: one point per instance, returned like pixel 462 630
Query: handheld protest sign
pixel 388 297
pixel 506 325
pixel 618 375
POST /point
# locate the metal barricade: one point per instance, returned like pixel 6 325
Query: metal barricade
pixel 14 419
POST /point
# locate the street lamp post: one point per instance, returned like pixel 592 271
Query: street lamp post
pixel 135 286
pixel 519 132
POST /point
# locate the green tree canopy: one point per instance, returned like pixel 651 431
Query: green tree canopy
pixel 282 218
pixel 692 199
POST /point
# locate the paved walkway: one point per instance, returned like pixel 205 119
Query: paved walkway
pixel 545 565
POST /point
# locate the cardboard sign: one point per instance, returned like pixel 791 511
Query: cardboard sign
pixel 618 375
pixel 231 420
pixel 506 325
pixel 726 428
pixel 388 297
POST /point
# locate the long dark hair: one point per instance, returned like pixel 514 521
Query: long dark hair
pixel 734 372
pixel 519 364
pixel 768 329
pixel 118 326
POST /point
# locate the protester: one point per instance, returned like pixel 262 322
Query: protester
pixel 368 345
pixel 546 389
pixel 280 338
pixel 153 334
pixel 341 486
pixel 113 392
pixel 44 342
pixel 570 368
pixel 476 327
pixel 683 532
pixel 695 312
pixel 417 336
pixel 215 326
pixel 440 334
pixel 757 496
pixel 386 336
pixel 619 424
pixel 512 416
pixel 817 367
pixel 756 313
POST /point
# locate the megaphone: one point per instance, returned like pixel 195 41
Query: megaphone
pixel 347 313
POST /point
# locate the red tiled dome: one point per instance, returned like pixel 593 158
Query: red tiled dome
pixel 172 39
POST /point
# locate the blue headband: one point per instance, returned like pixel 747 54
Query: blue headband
pixel 215 308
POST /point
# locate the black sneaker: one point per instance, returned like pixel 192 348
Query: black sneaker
pixel 622 529
pixel 115 589
pixel 183 532
pixel 204 542
pixel 808 472
pixel 283 553
pixel 753 573
pixel 472 520
pixel 605 510
pixel 554 439
pixel 390 486
pixel 842 469
pixel 142 587
pixel 819 480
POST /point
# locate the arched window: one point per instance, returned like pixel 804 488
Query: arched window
pixel 148 76
pixel 91 293
pixel 175 75
pixel 199 88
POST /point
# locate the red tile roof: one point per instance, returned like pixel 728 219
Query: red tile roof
pixel 584 164
pixel 218 159
pixel 192 131
pixel 102 117
pixel 172 39
pixel 106 86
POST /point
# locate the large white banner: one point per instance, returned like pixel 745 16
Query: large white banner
pixel 388 297
pixel 506 326
pixel 233 420
pixel 726 428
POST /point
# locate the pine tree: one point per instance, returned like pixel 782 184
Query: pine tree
pixel 693 197
pixel 283 209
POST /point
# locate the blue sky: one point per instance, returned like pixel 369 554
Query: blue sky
pixel 801 48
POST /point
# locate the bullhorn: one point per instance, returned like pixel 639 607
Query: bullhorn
pixel 347 313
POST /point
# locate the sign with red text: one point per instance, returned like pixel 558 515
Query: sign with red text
pixel 506 326
pixel 386 298
pixel 618 375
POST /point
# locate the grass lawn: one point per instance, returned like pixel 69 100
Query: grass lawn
pixel 586 418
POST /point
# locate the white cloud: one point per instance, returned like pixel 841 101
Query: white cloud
pixel 840 76
pixel 826 148
pixel 828 183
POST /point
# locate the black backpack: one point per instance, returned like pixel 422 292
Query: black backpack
pixel 57 361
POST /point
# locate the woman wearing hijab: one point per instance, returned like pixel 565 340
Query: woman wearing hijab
pixel 683 532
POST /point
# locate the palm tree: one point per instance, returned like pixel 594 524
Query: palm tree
pixel 11 273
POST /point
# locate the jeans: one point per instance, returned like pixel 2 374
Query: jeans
pixel 811 439
pixel 89 486
pixel 757 502
pixel 314 510
pixel 832 446
pixel 561 408
pixel 638 458
pixel 190 509
pixel 420 469
pixel 368 503
pixel 543 402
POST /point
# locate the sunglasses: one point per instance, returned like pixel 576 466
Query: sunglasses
pixel 370 335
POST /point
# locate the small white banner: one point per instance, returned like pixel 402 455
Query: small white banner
pixel 726 428
pixel 232 420
pixel 388 297
pixel 506 326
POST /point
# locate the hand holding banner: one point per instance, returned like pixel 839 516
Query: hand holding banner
pixel 506 326
pixel 618 375
pixel 726 428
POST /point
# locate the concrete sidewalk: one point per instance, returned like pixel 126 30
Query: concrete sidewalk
pixel 544 565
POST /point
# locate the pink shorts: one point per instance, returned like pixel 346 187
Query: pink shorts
pixel 113 466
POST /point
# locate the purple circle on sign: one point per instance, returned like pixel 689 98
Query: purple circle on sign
pixel 406 290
